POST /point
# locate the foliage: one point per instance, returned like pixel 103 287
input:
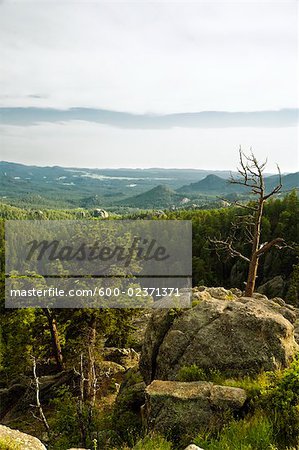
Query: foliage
pixel 25 332
pixel 65 424
pixel 254 433
pixel 281 401
pixel 18 341
pixel 195 373
pixel 153 442
pixel 292 296
pixel 254 387
pixel 280 220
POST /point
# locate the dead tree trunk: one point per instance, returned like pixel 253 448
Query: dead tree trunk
pixel 56 347
pixel 80 406
pixel 251 176
pixel 254 261
pixel 85 405
pixel 38 405
pixel 91 380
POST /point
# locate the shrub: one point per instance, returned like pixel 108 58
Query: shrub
pixel 195 373
pixel 64 424
pixel 253 387
pixel 67 424
pixel 255 433
pixel 281 401
pixel 152 442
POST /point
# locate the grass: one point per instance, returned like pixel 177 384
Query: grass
pixel 253 386
pixel 255 433
pixel 152 442
pixel 195 373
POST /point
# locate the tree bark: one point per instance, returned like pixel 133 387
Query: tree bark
pixel 54 339
pixel 91 376
pixel 254 260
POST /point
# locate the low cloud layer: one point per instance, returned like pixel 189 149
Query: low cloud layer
pixel 204 119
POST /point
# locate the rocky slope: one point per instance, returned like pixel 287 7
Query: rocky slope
pixel 236 335
pixel 21 441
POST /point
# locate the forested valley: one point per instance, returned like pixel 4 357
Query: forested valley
pixel 84 358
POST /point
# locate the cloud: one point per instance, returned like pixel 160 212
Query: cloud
pixel 162 58
pixel 87 144
pixel 144 83
pixel 204 119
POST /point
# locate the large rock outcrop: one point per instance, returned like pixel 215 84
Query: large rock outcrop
pixel 100 213
pixel 275 287
pixel 173 407
pixel 236 335
pixel 19 440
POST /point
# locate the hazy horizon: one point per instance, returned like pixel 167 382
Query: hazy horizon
pixel 195 169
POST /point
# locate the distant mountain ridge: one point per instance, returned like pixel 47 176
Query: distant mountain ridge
pixel 214 184
pixel 62 187
pixel 211 183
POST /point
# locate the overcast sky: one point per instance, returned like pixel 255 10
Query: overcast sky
pixel 133 63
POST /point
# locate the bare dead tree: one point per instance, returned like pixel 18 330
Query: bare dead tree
pixel 38 405
pixel 81 400
pixel 87 398
pixel 91 379
pixel 250 175
pixel 56 347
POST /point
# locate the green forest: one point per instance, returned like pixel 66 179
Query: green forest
pixel 149 237
pixel 68 345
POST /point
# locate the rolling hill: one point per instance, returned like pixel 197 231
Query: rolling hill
pixel 211 184
pixel 159 197
pixel 215 185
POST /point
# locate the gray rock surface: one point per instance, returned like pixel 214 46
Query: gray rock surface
pixel 273 288
pixel 100 213
pixel 238 337
pixel 173 407
pixel 126 357
pixel 23 440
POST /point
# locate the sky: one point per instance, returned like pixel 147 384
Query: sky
pixel 149 84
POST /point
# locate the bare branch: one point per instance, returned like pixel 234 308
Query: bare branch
pixel 35 417
pixel 277 187
pixel 241 205
pixel 250 174
pixel 243 183
pixel 236 203
pixel 255 175
pixel 277 242
pixel 227 245
pixel 38 403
